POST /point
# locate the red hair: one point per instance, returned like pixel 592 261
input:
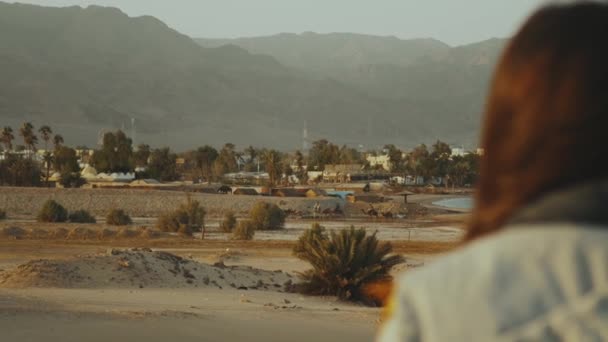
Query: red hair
pixel 547 113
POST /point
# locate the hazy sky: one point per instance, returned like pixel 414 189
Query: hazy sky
pixel 452 21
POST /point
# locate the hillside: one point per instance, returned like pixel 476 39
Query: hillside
pixel 83 70
pixel 438 85
pixel 325 52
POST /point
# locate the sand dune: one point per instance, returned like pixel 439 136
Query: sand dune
pixel 140 268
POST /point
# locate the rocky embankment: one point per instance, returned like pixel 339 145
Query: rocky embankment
pixel 142 203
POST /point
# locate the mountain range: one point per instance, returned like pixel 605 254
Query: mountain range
pixel 88 70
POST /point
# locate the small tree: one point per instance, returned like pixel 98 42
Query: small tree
pixel 81 216
pixel 267 216
pixel 118 217
pixel 344 262
pixel 162 165
pixel 229 222
pixel 71 179
pixel 245 230
pixel 52 211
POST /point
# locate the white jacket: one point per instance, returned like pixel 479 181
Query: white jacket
pixel 530 282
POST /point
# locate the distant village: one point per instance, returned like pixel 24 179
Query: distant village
pixel 39 158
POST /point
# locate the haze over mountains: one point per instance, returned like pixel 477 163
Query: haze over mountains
pixel 85 70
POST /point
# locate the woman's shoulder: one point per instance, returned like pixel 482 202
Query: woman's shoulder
pixel 498 285
pixel 518 249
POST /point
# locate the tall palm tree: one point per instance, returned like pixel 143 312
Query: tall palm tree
pixel 29 138
pixel 7 138
pixel 48 160
pixel 45 132
pixel 272 159
pixel 252 153
pixel 57 140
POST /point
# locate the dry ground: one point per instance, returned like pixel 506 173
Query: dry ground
pixel 200 314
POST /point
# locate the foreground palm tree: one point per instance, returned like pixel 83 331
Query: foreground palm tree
pixel 344 263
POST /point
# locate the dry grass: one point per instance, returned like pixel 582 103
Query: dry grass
pixel 424 247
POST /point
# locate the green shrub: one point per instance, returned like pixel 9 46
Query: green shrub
pixel 189 214
pixel 228 223
pixel 81 216
pixel 344 262
pixel 267 216
pixel 118 217
pixel 2 214
pixel 245 230
pixel 52 211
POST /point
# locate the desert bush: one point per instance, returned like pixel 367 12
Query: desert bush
pixel 171 221
pixel 118 217
pixel 146 233
pixel 81 234
pixel 229 222
pixel 189 214
pixel 81 216
pixel 344 262
pixel 13 233
pixel 185 230
pixel 106 234
pixel 267 216
pixel 59 233
pixel 125 233
pixel 52 211
pixel 2 214
pixel 37 234
pixel 245 230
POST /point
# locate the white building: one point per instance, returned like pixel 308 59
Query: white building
pixel 458 152
pixel 383 160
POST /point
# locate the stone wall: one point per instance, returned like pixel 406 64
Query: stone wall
pixel 140 203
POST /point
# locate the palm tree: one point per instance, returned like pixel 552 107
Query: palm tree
pixel 252 154
pixel 48 160
pixel 344 262
pixel 45 131
pixel 29 138
pixel 7 138
pixel 57 140
pixel 272 159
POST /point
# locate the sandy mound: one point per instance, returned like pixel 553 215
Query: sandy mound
pixel 138 268
pixel 12 233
